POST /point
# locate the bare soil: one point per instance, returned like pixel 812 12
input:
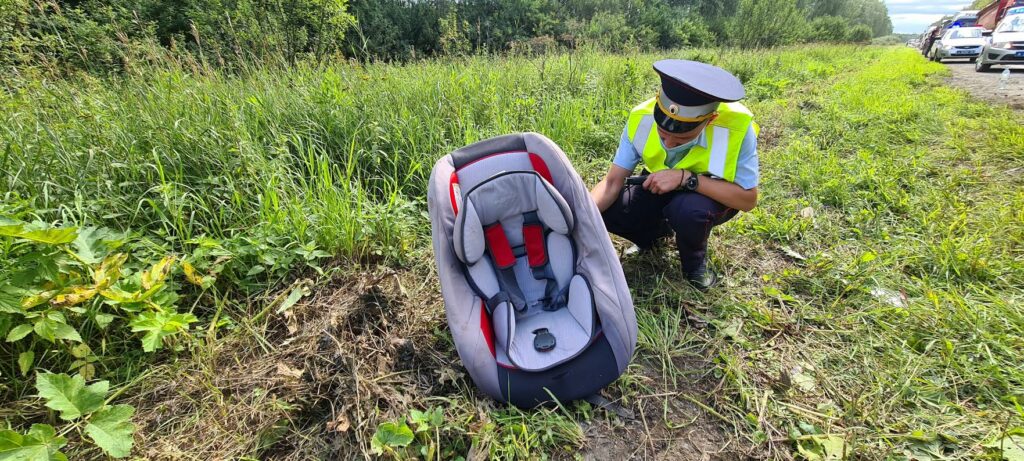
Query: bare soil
pixel 364 349
pixel 985 85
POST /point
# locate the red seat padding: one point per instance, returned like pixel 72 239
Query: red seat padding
pixel 533 235
pixel 498 244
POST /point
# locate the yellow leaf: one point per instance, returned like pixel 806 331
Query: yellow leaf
pixel 109 271
pixel 37 299
pixel 193 277
pixel 78 295
pixel 120 296
pixel 88 371
pixel 158 273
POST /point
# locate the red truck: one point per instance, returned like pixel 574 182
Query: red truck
pixel 990 16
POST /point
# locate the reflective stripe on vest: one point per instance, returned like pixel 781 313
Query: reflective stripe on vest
pixel 723 137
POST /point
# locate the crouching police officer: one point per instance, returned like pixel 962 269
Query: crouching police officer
pixel 699 149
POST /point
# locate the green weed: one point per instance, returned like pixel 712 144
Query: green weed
pixel 872 305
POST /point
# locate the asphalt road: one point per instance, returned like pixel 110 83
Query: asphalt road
pixel 985 85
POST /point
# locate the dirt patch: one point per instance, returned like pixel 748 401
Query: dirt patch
pixel 315 382
pixel 985 85
pixel 330 368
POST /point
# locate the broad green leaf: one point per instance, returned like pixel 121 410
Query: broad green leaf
pixel 159 325
pixel 10 302
pixel 390 435
pixel 19 332
pixel 69 395
pixel 9 229
pixel 425 420
pixel 420 419
pixel 54 236
pixel 65 331
pixel 90 245
pixel 52 330
pixel 102 320
pixel 437 417
pixel 111 429
pixel 25 361
pixel 40 444
pixel 822 448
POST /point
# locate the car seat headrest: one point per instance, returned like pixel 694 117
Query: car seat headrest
pixel 503 198
pixel 552 210
pixel 469 234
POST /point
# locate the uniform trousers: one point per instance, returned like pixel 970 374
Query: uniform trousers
pixel 643 217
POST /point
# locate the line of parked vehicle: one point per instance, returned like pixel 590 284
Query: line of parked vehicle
pixel 965 37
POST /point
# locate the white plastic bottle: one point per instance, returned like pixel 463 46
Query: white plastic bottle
pixel 1004 80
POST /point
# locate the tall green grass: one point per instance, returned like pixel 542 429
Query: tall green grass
pixel 905 297
pixel 875 294
pixel 335 155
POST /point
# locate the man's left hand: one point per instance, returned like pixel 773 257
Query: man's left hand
pixel 665 181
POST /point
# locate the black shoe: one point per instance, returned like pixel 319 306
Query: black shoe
pixel 703 281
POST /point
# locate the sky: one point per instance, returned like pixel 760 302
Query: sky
pixel 913 16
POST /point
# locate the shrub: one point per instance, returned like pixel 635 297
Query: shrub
pixel 860 34
pixel 695 32
pixel 767 23
pixel 832 29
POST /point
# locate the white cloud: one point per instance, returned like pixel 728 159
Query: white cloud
pixel 911 16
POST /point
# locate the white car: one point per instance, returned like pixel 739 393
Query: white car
pixel 1006 46
pixel 958 42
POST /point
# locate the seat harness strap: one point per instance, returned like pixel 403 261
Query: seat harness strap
pixel 504 264
pixel 537 255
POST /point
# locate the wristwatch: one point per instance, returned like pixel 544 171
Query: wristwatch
pixel 690 184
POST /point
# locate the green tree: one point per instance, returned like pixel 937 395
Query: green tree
pixel 860 34
pixel 453 35
pixel 767 23
pixel 264 29
pixel 872 13
pixel 829 29
pixel 696 32
pixel 608 30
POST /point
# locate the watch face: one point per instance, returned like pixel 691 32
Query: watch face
pixel 691 184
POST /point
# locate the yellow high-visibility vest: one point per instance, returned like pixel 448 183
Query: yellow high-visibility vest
pixel 724 138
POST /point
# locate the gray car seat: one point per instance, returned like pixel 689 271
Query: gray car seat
pixel 534 293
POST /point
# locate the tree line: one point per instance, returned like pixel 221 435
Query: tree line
pixel 109 35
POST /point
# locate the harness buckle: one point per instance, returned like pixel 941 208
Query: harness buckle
pixel 544 341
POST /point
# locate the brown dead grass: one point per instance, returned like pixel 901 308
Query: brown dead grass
pixel 363 349
pixel 311 383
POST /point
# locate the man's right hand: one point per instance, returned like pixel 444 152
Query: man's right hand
pixel 665 181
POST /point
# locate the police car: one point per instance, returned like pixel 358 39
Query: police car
pixel 1006 45
pixel 958 42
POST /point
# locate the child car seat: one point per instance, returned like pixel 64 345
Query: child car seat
pixel 534 293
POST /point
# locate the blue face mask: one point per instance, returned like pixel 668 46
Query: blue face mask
pixel 680 148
